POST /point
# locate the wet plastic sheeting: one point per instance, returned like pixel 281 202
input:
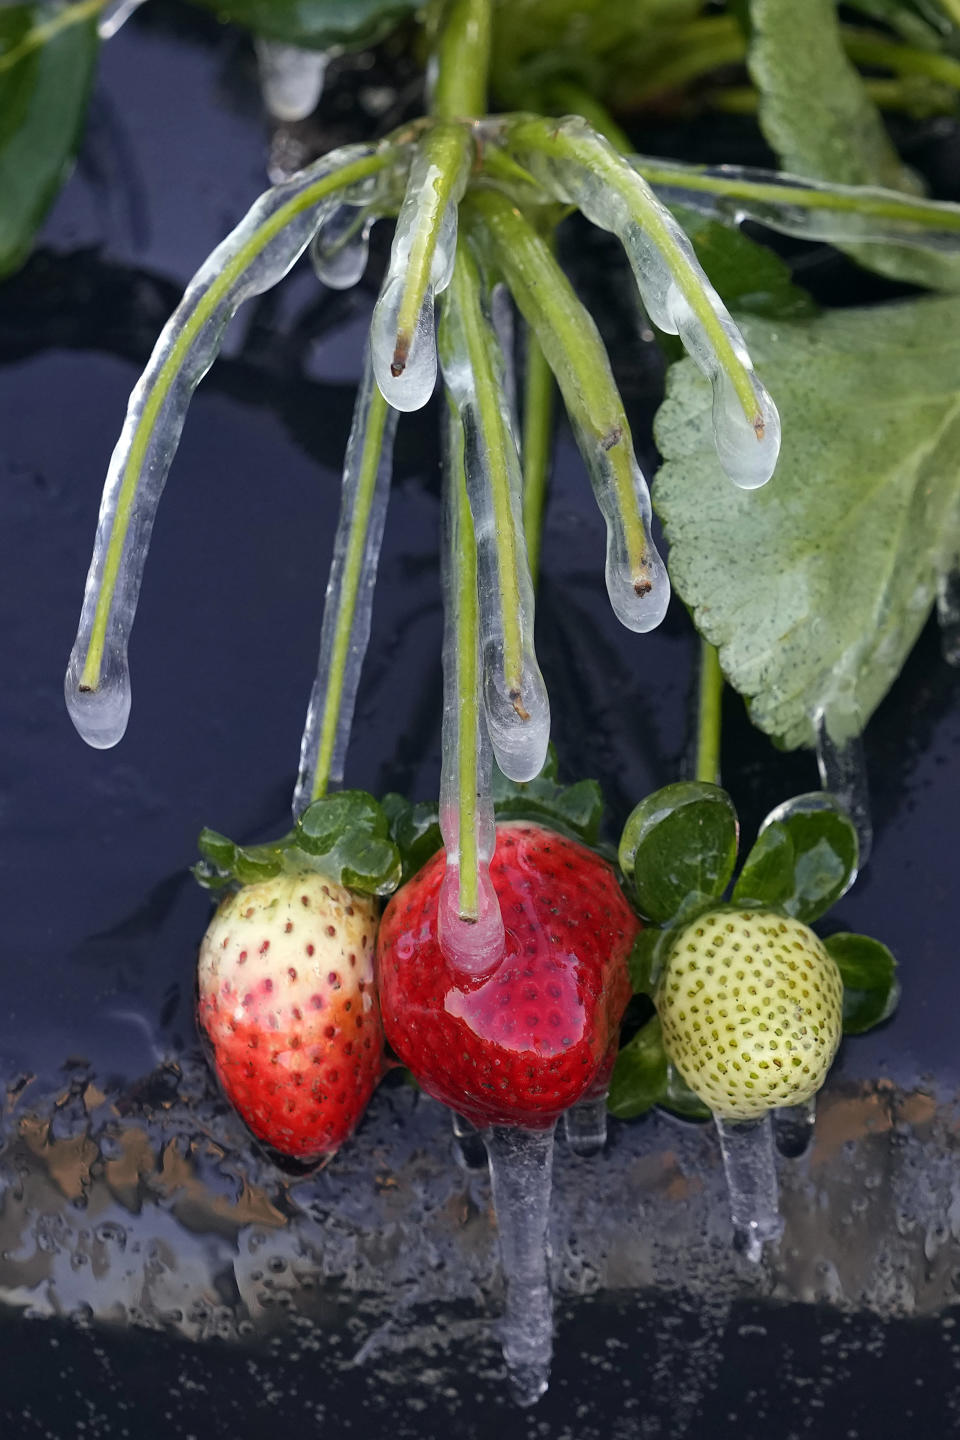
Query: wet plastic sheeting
pixel 158 1275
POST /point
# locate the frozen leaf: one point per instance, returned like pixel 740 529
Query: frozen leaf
pixel 815 589
pixel 816 114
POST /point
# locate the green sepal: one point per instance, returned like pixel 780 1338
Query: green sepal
pixel 258 862
pixel 645 961
pixel 679 846
pixel 680 1100
pixel 639 1079
pixel 326 820
pixel 574 810
pixel 871 990
pixel 804 860
pixel 414 829
pixel 216 849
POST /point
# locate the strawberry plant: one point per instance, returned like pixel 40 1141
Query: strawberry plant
pixel 808 592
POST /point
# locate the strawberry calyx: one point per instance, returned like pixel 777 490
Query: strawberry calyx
pixel 345 837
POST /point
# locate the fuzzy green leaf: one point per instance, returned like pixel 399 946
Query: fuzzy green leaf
pixel 315 24
pixel 815 588
pixel 44 84
pixel 679 845
pixel 639 1079
pixel 870 986
pixel 816 114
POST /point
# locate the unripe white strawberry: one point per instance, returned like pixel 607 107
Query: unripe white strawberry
pixel 751 1006
pixel 286 996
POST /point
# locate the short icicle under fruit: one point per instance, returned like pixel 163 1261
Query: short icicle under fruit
pixel 287 1001
pixel 524 1042
pixel 751 1006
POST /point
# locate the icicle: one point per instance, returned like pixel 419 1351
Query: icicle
pixel 521 1171
pixel 585 1126
pixel 257 254
pixel 515 698
pixel 469 1150
pixel 748 1163
pixel 349 599
pixel 291 78
pixel 503 318
pixel 843 772
pixel 793 1128
pixel 587 172
pixel 115 15
pixel 341 246
pixel 469 923
pixel 402 331
pixel 948 615
pixel 807 209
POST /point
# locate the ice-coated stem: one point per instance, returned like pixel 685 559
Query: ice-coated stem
pixel 469 924
pixel 843 772
pixel 257 254
pixel 291 78
pixel 468 1145
pixel 402 338
pixel 538 408
pixel 807 209
pixel 521 1173
pixel 750 1168
pixel 460 61
pixel 515 699
pixel 948 615
pixel 349 599
pixel 793 1127
pixel 636 576
pixel 580 167
pixel 709 715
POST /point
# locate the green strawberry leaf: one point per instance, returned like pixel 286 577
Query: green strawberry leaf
pixel 679 846
pixel 316 24
pixel 414 829
pixel 871 990
pixel 870 404
pixel 46 68
pixel 575 810
pixel 816 114
pixel 805 858
pixel 639 1079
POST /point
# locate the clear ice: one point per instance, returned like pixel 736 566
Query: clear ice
pixel 793 1127
pixel 349 599
pixel 469 1149
pixel 843 772
pixel 516 706
pixel 339 250
pixel 750 1168
pixel 807 209
pixel 676 294
pixel 585 1126
pixel 948 615
pixel 291 78
pixel 115 15
pixel 253 258
pixel 471 935
pixel 405 362
pixel 521 1173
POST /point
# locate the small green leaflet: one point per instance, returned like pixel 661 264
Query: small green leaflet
pixel 818 117
pixel 47 59
pixel 815 588
pixel 316 24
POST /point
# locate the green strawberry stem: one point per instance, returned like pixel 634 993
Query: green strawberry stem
pixel 461 55
pixel 709 708
pixel 567 97
pixel 572 346
pixel 538 410
pixel 153 407
pixel 463 313
pixel 462 562
pixel 527 135
pixel 371 450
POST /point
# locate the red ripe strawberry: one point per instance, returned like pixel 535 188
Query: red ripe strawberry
pixel 524 1042
pixel 287 1001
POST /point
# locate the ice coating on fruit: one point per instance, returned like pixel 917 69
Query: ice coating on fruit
pixel 521 1176
pixel 470 926
pixel 752 1009
pixel 403 343
pixel 348 606
pixel 520 1045
pixel 287 1001
pixel 750 1168
pixel 516 706
pixel 678 297
pixel 291 78
pixel 252 258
